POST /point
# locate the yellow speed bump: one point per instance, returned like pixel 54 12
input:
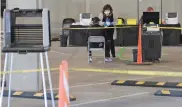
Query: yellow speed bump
pixel 165 91
pixel 120 81
pixel 179 85
pixel 34 95
pixel 38 94
pixel 160 83
pixel 171 93
pixel 140 82
pixel 146 83
pixel 17 93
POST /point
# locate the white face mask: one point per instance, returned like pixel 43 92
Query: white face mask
pixel 107 12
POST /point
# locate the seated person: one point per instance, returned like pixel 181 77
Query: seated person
pixel 149 9
pixel 95 32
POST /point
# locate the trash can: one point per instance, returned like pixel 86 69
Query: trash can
pixel 65 33
pixel 135 53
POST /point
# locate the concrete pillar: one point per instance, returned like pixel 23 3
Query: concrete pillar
pixel 30 81
pixel 31 4
pixel 87 3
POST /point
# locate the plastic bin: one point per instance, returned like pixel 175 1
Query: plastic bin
pixel 135 53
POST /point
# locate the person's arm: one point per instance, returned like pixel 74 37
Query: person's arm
pixel 101 17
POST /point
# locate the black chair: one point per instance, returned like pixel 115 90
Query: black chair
pixel 64 38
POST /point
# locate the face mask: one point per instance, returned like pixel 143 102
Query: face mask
pixel 107 12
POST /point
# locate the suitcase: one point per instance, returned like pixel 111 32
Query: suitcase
pixel 152 45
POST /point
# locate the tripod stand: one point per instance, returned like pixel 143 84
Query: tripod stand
pixel 43 78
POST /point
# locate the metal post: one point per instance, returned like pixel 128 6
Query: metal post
pixel 49 79
pixel 3 80
pixel 9 89
pixel 88 51
pixel 104 51
pixel 40 4
pixel 161 10
pixel 138 9
pixel 43 79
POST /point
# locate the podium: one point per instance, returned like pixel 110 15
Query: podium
pixel 27 38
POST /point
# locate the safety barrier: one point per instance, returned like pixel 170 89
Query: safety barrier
pixel 147 83
pixel 132 72
pixel 27 71
pixel 97 28
pixel 127 26
pixel 116 71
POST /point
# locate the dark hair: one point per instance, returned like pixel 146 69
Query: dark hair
pixel 150 8
pixel 95 20
pixel 107 7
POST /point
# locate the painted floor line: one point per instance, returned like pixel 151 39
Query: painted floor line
pixel 114 71
pixel 100 83
pixel 60 52
pixel 132 72
pixel 109 99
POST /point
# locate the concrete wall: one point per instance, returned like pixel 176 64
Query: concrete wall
pixel 21 4
pixel 61 9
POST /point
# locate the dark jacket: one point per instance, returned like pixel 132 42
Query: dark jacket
pixel 110 17
pixel 109 32
pixel 141 20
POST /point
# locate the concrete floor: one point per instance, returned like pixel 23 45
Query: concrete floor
pixel 93 89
